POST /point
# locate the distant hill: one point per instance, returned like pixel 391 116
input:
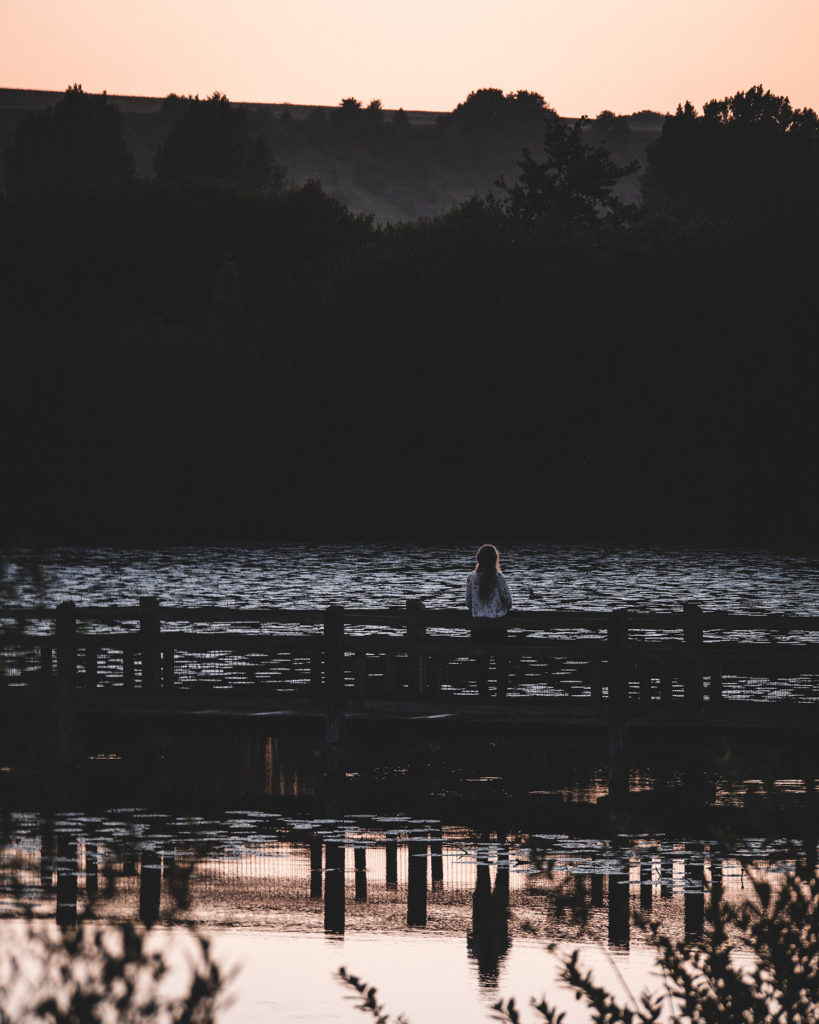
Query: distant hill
pixel 397 165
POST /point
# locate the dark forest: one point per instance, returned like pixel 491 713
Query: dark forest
pixel 212 353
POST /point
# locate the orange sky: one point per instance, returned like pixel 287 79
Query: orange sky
pixel 582 55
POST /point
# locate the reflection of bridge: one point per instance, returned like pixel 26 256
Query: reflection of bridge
pixel 619 672
pixel 348 875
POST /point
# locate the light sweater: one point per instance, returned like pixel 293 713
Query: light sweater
pixel 495 605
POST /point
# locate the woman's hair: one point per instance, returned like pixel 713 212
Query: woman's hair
pixel 487 566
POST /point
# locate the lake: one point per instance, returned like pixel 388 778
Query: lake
pixel 497 900
pixel 307 576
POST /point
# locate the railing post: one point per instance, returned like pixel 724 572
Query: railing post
pixel 334 675
pixel 715 690
pixel 149 641
pixel 692 635
pixel 616 640
pixel 91 653
pixel 416 632
pixel 65 628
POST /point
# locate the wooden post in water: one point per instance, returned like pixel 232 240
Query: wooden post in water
pixel 666 876
pixel 646 881
pixel 619 908
pixel 416 632
pixel 47 857
pixel 692 635
pixel 597 894
pixel 694 898
pixel 334 889
pixel 716 877
pixel 67 872
pixel 391 851
pixel 436 858
pixel 334 679
pixel 92 867
pixel 417 882
pixel 316 852
pixel 149 632
pixel 360 860
pixel 150 887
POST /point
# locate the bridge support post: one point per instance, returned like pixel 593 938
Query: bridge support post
pixel 619 909
pixel 436 857
pixel 391 854
pixel 67 871
pixel 694 898
pixel 360 860
pixel 334 889
pixel 417 883
pixel 91 870
pixel 150 887
pixel 316 854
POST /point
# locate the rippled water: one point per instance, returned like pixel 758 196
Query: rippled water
pixel 302 576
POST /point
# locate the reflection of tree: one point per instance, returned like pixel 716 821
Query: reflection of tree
pixel 488 941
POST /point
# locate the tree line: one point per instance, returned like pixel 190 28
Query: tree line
pixel 213 354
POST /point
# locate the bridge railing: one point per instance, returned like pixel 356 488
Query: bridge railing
pixel 415 653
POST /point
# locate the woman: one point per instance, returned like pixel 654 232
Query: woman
pixel 488 597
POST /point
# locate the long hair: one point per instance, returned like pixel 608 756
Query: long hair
pixel 487 566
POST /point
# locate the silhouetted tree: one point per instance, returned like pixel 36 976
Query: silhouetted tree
pixel 212 141
pixel 77 144
pixel 608 128
pixel 751 152
pixel 490 111
pixel 573 186
pixel 482 110
pixel 375 111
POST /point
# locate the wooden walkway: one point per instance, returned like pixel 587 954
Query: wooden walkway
pixel 71 671
pixel 410 661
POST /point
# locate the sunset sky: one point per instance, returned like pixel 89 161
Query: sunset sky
pixel 582 55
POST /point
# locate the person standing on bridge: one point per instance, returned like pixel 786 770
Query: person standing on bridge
pixel 488 598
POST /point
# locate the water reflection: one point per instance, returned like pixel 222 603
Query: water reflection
pixel 367 873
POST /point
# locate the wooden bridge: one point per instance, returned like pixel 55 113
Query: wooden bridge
pixel 582 663
pixel 620 671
